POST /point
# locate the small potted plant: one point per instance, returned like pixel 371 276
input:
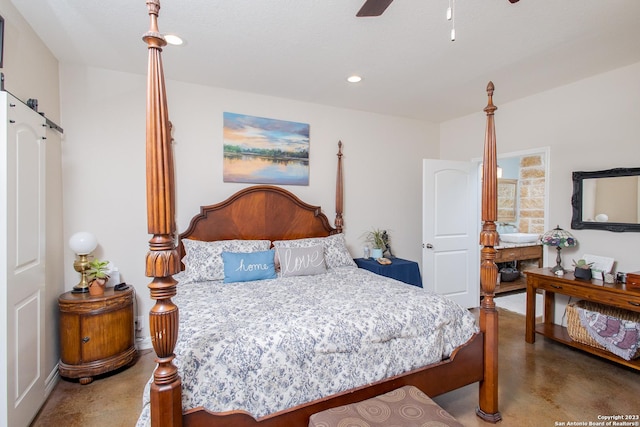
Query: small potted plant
pixel 582 269
pixel 98 275
pixel 376 238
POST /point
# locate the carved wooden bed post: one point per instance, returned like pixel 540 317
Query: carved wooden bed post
pixel 488 405
pixel 339 222
pixel 162 260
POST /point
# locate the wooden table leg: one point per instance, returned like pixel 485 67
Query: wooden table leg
pixel 549 307
pixel 530 318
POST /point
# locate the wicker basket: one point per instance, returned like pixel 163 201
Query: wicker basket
pixel 576 331
pixel 579 333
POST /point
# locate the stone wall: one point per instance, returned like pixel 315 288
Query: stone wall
pixel 532 196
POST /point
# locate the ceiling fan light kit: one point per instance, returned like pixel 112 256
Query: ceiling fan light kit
pixel 451 17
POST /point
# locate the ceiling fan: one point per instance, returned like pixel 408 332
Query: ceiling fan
pixel 377 7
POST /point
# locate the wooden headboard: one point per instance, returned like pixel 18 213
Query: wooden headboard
pixel 258 212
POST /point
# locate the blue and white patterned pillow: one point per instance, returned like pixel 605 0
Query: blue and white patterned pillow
pixel 203 260
pixel 301 261
pixel 336 253
pixel 248 266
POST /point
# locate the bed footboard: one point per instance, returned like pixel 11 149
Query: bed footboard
pixel 465 366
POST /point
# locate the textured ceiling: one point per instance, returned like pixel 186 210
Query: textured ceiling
pixel 305 49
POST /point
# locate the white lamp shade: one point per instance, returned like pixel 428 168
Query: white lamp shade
pixel 83 243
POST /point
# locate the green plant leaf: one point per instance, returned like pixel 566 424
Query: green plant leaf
pixel 375 237
pixel 98 270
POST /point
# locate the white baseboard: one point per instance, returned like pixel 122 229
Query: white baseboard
pixel 143 343
pixel 51 381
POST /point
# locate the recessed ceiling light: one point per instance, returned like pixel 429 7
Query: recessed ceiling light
pixel 173 39
pixel 354 79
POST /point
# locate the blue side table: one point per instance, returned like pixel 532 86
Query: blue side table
pixel 400 269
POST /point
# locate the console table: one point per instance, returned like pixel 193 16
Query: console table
pixel 614 294
pixel 400 269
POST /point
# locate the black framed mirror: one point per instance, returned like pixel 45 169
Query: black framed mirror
pixel 606 200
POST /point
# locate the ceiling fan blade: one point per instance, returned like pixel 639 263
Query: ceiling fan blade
pixel 514 1
pixel 373 7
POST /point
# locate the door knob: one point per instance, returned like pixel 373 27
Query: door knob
pixel 429 246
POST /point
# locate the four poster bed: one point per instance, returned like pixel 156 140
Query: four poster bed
pixel 273 350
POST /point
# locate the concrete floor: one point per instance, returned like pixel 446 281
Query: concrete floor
pixel 113 400
pixel 541 385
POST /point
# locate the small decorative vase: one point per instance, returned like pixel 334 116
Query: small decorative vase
pixel 582 273
pixel 96 287
pixel 376 253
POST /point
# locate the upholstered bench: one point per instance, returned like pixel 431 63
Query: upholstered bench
pixel 406 406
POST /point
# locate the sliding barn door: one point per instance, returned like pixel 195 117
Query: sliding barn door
pixel 451 251
pixel 22 261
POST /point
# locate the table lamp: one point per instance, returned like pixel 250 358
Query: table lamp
pixel 559 239
pixel 82 243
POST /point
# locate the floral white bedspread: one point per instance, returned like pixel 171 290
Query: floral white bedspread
pixel 268 345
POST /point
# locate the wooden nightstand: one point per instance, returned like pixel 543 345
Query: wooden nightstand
pixel 96 333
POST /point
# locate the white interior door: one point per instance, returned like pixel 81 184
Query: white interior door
pixel 451 251
pixel 23 258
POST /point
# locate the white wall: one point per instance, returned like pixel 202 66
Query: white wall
pixel 592 124
pixel 104 164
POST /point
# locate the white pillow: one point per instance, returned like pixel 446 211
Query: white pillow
pixel 336 253
pixel 203 260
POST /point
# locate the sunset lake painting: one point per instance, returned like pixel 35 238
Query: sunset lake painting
pixel 265 151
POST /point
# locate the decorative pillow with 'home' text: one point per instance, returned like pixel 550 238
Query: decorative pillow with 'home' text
pixel 248 266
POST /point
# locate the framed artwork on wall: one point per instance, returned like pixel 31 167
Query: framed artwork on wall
pixel 265 151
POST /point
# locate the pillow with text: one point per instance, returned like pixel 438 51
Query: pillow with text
pixel 301 261
pixel 248 266
pixel 336 253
